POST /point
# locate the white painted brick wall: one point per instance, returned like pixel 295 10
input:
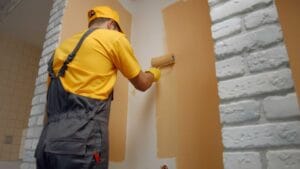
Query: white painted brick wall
pixel 259 109
pixel 238 112
pixel 278 107
pixel 261 17
pixel 263 135
pixel 214 2
pixel 227 28
pixel 256 84
pixel 249 41
pixel 39 100
pixel 229 68
pixel 287 159
pixel 37 109
pixel 267 59
pixel 233 7
pixel 245 160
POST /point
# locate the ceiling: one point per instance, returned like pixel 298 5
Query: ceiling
pixel 25 19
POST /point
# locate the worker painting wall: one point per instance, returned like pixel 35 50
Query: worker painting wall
pixel 148 41
pixel 148 130
pixel 118 117
pixel 154 136
pixel 289 19
pixel 18 63
pixel 173 124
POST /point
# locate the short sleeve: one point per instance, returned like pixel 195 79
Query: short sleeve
pixel 124 58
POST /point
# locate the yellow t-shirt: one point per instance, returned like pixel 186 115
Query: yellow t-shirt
pixel 93 71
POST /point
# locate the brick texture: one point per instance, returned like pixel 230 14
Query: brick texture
pixel 256 84
pixel 35 123
pixel 246 160
pixel 259 109
pixel 287 159
pixel 238 112
pixel 263 135
pixel 278 107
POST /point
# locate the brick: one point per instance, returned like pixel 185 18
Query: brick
pixel 49 49
pixel 256 84
pixel 28 156
pixel 58 5
pixel 243 160
pixel 40 120
pixel 25 165
pixel 235 7
pixel 226 28
pixel 249 41
pixel 38 109
pixel 284 159
pixel 38 99
pixel 32 166
pixel 42 69
pixel 44 60
pixel 42 88
pixel 51 40
pixel 53 31
pixel 230 68
pixel 267 59
pixel 43 78
pixel 214 2
pixel 56 16
pixel 32 121
pixel 34 132
pixel 34 143
pixel 262 136
pixel 238 112
pixel 28 144
pixel 278 107
pixel 261 17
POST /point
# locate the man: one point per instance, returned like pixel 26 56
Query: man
pixel 82 75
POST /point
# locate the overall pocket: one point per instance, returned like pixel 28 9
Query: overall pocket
pixel 66 147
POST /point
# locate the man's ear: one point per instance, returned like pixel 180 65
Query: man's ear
pixel 110 24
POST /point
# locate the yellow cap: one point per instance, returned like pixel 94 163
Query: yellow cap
pixel 104 12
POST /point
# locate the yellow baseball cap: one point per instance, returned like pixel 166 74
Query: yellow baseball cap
pixel 104 12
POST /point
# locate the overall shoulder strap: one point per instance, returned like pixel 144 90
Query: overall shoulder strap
pixel 70 57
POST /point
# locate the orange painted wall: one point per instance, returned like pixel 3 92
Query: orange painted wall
pixel 187 95
pixel 289 15
pixel 75 20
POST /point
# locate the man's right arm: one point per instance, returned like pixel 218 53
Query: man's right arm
pixel 142 81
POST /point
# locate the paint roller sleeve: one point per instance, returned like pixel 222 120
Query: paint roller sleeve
pixel 163 61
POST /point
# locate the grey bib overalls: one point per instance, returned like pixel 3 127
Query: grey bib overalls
pixel 76 134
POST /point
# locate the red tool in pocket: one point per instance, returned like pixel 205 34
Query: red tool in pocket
pixel 97 157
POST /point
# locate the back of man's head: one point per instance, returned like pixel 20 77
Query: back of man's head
pixel 101 14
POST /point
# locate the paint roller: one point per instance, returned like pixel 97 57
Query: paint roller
pixel 163 61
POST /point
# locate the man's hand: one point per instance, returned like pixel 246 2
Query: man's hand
pixel 155 72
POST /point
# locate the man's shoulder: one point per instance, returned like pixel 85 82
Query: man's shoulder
pixel 108 34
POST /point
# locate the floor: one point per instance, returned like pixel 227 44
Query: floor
pixel 10 164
